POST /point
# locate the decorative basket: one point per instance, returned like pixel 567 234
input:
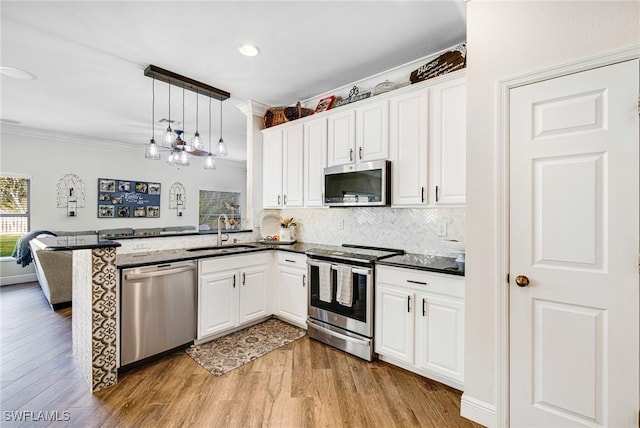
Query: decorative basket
pixel 279 115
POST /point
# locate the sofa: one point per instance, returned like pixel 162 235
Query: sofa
pixel 54 270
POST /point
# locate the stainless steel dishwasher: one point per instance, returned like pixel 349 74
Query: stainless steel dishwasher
pixel 158 309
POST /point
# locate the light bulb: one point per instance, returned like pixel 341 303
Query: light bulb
pixel 209 162
pixel 169 137
pixel 171 158
pixel 151 151
pixel 183 158
pixel 221 149
pixel 196 141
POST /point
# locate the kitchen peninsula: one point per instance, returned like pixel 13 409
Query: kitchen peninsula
pixel 96 265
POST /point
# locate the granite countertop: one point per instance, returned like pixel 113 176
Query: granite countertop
pixel 425 262
pixel 154 257
pixel 76 242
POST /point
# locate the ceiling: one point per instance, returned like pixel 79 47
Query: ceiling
pixel 89 58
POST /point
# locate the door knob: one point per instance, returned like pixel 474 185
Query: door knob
pixel 522 281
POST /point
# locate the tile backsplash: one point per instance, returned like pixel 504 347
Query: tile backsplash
pixel 415 230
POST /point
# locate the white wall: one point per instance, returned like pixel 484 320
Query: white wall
pixel 506 39
pixel 46 160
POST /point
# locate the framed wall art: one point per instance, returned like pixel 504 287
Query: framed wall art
pixel 128 198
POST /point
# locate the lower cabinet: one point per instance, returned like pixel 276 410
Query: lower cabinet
pixel 419 322
pixel 232 291
pixel 290 288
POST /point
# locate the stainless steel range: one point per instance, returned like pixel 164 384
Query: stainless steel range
pixel 341 292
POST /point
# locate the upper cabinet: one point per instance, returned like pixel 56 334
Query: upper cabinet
pixel 428 145
pixel 283 158
pixel 359 135
pixel 421 128
pixel 315 160
pixel 447 142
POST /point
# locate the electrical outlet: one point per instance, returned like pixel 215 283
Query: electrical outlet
pixel 341 224
pixel 443 228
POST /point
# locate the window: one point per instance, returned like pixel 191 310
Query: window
pixel 14 212
pixel 214 203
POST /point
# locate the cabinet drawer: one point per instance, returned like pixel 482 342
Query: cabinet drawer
pixel 292 259
pixel 220 263
pixel 448 285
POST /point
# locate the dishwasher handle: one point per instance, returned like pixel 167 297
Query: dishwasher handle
pixel 160 272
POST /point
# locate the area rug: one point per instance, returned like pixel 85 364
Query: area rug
pixel 231 351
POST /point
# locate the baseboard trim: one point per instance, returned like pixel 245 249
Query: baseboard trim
pixel 478 411
pixel 17 279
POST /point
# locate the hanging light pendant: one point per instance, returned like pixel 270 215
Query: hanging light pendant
pixel 169 137
pixel 151 152
pixel 221 148
pixel 209 161
pixel 196 141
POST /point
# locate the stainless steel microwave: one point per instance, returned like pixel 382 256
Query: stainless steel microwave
pixel 356 185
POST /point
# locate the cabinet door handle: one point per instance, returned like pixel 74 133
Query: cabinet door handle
pixel 408 303
pixel 422 193
pixel 243 279
pixel 278 199
pixel 351 155
pixel 289 261
pixel 424 308
pixel 234 281
pixel 304 280
pixel 437 196
pixel 360 152
pixel 285 199
pixel 417 282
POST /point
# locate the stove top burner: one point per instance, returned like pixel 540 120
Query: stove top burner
pixel 355 253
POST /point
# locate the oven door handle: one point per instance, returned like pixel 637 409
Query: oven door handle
pixel 338 334
pixel 357 271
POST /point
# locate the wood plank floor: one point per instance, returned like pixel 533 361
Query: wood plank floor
pixel 303 384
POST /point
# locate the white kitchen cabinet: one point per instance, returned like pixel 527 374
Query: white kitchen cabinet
pixel 315 160
pixel 372 131
pixel 409 147
pixel 359 134
pixel 447 142
pixel 291 288
pixel 272 168
pixel 419 322
pixel 394 323
pixel 283 158
pixel 428 144
pixel 232 291
pixel 341 138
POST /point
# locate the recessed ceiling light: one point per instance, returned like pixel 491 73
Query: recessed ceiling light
pixel 249 50
pixel 16 73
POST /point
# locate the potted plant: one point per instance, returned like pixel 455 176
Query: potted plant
pixel 286 229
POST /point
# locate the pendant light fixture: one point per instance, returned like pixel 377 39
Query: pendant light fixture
pixel 196 141
pixel 169 137
pixel 209 162
pixel 152 151
pixel 174 141
pixel 221 149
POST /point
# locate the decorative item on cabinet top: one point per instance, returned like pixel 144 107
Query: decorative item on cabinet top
pixel 325 103
pixel 354 95
pixel 279 115
pixel 452 60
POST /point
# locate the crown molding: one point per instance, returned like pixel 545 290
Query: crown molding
pixel 252 108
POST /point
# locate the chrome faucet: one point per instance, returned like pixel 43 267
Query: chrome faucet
pixel 226 220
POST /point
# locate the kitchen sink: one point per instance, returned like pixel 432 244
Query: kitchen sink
pixel 223 249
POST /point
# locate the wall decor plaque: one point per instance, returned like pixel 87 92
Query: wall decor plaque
pixel 128 198
pixel 452 60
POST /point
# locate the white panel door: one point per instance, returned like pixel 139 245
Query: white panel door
pixel 293 295
pixel 341 138
pixel 394 323
pixel 293 165
pixel 372 131
pixel 448 142
pixel 253 294
pixel 217 303
pixel 272 169
pixel 409 145
pixel 574 236
pixel 440 335
pixel 315 160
